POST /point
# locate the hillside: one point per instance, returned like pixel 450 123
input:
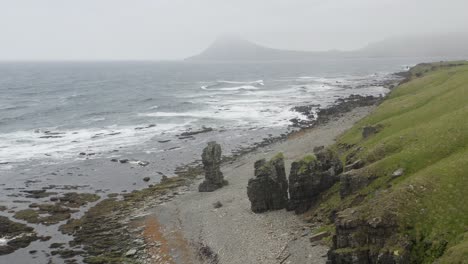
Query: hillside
pixel 402 198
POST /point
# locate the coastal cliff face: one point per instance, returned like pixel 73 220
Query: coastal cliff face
pixel 311 176
pixel 402 196
pixel 268 190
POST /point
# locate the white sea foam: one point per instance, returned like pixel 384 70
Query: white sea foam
pixel 235 88
pixel 222 85
pixel 258 82
pixel 227 104
pixel 4 241
pixel 30 145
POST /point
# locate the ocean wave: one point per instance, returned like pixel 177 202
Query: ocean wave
pixel 232 85
pixel 21 146
pixel 235 88
pixel 257 82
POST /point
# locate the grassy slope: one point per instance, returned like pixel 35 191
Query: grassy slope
pixel 425 131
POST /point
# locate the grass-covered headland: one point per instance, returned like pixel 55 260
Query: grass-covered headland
pixel 403 197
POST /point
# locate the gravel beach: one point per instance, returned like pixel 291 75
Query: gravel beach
pixel 194 231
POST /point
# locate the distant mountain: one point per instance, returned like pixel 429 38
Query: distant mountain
pixel 443 45
pixel 237 49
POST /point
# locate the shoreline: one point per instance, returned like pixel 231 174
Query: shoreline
pixel 232 233
pixel 186 175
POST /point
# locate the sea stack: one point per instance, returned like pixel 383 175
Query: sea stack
pixel 268 190
pixel 211 158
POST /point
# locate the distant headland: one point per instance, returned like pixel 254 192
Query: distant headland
pixel 228 48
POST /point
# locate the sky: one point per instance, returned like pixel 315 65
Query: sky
pixel 175 29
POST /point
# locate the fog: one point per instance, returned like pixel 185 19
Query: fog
pixel 175 29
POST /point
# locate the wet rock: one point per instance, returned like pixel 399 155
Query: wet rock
pixel 218 204
pixel 268 190
pixel 37 194
pixel 311 176
pixel 45 238
pixel 352 181
pixel 66 253
pixel 114 160
pixel 123 161
pixel 146 179
pixel 211 159
pixel 191 133
pixel 76 200
pixel 14 235
pixel 46 214
pixel 145 127
pixel 57 245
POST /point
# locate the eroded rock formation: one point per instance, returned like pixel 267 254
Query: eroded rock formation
pixel 211 159
pixel 361 241
pixel 269 189
pixel 311 176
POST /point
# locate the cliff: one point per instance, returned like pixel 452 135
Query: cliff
pixel 402 197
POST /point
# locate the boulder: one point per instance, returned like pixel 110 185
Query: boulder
pixel 398 173
pixel 311 176
pixel 268 190
pixel 211 159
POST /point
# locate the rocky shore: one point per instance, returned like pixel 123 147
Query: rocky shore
pixel 223 224
pixel 132 233
pixel 125 215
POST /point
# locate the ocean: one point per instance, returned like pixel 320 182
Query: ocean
pixel 51 112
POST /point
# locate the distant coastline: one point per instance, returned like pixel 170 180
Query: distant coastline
pixel 449 46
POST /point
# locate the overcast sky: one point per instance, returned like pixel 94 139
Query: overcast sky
pixel 174 29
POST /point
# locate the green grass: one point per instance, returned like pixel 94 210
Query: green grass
pixel 424 131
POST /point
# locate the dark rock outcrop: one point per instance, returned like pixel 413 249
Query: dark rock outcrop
pixel 361 241
pixel 211 159
pixel 317 116
pixel 352 181
pixel 269 189
pixel 311 176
